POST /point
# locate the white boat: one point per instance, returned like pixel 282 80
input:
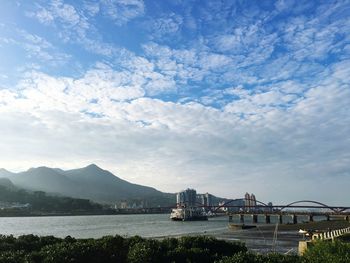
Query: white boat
pixel 187 214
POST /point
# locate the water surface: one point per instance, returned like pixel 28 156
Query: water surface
pixel 154 225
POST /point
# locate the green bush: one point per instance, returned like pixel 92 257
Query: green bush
pixel 108 249
pixel 326 251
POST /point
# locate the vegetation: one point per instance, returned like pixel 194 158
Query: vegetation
pixel 49 249
pixel 335 252
pixel 40 202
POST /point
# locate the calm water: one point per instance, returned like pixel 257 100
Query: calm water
pixel 98 226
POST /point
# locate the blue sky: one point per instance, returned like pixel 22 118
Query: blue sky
pixel 223 96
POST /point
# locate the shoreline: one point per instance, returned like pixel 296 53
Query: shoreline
pixel 261 238
pixel 58 214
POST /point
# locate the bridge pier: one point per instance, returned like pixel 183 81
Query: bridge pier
pixel 267 219
pixel 295 219
pixel 280 219
pixel 311 218
pixel 241 218
pixel 230 218
pixel 255 219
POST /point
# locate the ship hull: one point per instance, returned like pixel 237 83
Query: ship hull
pixel 185 214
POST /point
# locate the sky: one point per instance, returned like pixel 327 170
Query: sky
pixel 226 97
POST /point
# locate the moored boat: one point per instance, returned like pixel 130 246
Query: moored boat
pixel 187 214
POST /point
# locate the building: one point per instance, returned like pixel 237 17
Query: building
pixel 250 202
pixel 206 199
pixel 247 200
pixel 186 198
pixel 232 205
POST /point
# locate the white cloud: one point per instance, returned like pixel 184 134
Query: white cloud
pixel 122 11
pixel 166 25
pixel 36 47
pixel 184 144
pixel 281 100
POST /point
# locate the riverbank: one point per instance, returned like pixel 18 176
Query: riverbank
pixel 24 213
pixel 262 238
pixel 196 249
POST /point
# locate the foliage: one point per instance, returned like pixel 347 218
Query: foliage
pixel 248 257
pixel 41 202
pixel 326 251
pixel 108 249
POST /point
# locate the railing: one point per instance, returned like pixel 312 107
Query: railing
pixel 330 235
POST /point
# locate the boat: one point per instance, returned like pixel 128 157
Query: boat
pixel 188 214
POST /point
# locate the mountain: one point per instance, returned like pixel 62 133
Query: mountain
pixel 104 185
pixel 5 173
pixel 7 183
pixel 90 182
pixel 45 179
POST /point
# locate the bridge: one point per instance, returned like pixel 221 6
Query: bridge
pixel 305 210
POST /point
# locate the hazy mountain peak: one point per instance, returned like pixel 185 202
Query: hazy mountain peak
pixel 4 172
pixel 39 168
pixel 6 182
pixel 90 182
pixel 93 166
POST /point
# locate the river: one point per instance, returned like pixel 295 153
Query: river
pixel 148 225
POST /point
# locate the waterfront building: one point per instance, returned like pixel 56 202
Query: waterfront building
pixel 206 199
pixel 250 202
pixel 232 205
pixel 247 201
pixel 186 198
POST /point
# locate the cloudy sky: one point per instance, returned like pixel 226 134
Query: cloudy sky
pixel 222 96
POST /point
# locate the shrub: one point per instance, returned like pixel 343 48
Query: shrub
pixel 325 251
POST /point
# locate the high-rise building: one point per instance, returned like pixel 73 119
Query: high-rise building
pixel 252 200
pixel 186 198
pixel 247 200
pixel 206 199
pixel 233 205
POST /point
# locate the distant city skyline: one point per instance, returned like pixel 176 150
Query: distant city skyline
pixel 220 96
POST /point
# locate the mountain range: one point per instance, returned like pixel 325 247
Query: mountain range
pixel 90 182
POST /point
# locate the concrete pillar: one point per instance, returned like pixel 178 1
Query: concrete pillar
pixel 295 219
pixel 311 218
pixel 328 218
pixel 267 219
pixel 280 219
pixel 241 218
pixel 303 245
pixel 255 219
